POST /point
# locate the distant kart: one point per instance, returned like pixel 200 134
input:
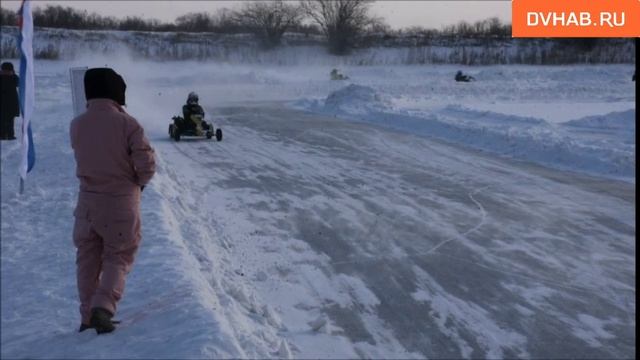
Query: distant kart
pixel 197 127
pixel 460 77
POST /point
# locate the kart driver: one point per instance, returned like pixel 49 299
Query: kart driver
pixel 192 108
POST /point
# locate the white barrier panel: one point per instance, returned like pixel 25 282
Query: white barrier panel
pixel 77 90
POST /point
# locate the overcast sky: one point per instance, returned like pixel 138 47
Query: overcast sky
pixel 398 14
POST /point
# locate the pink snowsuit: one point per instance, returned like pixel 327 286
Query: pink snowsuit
pixel 114 159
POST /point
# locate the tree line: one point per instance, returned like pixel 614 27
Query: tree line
pixel 346 24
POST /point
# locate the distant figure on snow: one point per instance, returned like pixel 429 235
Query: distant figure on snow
pixel 10 107
pixel 114 162
pixel 335 75
pixel 460 77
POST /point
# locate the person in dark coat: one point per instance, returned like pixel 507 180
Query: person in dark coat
pixel 10 107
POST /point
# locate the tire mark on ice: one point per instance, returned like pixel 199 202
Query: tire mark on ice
pixel 480 223
pixel 418 162
pixel 476 227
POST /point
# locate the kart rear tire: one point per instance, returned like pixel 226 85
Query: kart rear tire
pixel 219 134
pixel 209 134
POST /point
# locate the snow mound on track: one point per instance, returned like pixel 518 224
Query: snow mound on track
pixel 356 99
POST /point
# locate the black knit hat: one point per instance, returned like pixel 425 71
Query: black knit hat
pixel 7 66
pixel 104 83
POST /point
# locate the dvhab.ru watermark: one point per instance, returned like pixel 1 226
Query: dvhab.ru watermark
pixel 611 19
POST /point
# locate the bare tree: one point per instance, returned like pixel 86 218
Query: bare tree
pixel 269 20
pixel 195 22
pixel 224 22
pixel 341 20
pixel 136 23
pixel 7 18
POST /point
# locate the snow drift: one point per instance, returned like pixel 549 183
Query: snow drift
pixel 620 121
pixel 564 146
pixel 354 99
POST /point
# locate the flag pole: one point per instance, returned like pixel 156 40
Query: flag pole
pixel 26 88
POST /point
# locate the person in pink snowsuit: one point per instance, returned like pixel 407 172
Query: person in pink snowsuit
pixel 114 162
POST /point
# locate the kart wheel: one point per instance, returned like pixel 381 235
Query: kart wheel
pixel 219 134
pixel 176 135
pixel 209 134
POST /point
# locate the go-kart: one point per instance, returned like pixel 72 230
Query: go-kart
pixel 195 127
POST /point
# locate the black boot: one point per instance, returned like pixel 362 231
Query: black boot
pixel 84 327
pixel 101 320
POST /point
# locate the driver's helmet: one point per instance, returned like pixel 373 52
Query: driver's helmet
pixel 192 98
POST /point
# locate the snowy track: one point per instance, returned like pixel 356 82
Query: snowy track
pixel 412 248
pixel 311 236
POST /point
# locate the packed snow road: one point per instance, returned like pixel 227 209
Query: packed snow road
pixel 353 240
pixel 311 236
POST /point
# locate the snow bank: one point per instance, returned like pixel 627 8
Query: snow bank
pixel 354 99
pixel 622 121
pixel 564 146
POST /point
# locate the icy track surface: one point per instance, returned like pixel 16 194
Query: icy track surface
pixel 304 235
